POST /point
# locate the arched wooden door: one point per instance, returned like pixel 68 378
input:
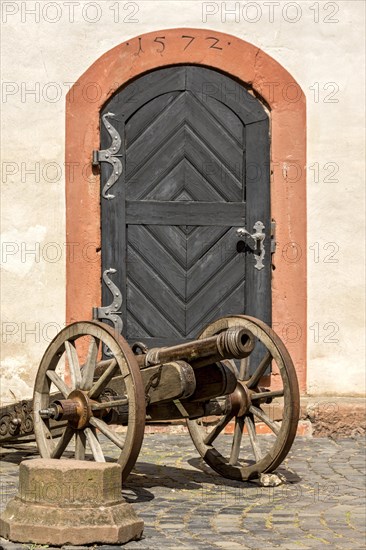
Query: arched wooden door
pixel 190 160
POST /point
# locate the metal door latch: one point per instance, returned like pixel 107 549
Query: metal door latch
pixel 258 236
pixel 273 237
pixel 110 155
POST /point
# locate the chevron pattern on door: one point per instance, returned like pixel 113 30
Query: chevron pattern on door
pixel 168 293
pixel 185 148
pixel 182 276
pixel 183 196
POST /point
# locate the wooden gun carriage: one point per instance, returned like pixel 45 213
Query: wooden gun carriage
pixel 91 382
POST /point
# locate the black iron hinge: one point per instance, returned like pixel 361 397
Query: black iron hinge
pixel 110 155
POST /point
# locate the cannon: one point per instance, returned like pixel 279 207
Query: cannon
pixel 92 383
pixel 81 393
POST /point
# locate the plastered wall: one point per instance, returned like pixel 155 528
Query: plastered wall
pixel 47 46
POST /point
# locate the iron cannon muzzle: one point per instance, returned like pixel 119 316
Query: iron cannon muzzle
pixel 232 343
pixel 235 343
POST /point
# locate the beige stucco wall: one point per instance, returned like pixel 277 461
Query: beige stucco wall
pixel 319 48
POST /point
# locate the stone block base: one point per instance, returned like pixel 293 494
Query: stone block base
pixel 69 502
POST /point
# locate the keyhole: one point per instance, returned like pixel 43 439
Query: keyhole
pixel 240 246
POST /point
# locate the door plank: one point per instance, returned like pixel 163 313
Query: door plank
pixel 211 87
pixel 165 299
pixel 172 239
pixel 135 326
pixel 145 116
pixel 140 306
pixel 233 303
pixel 259 282
pixel 142 178
pixel 199 241
pixel 224 146
pixel 221 286
pixel 155 135
pixel 168 267
pixel 184 213
pixel 227 180
pixel 219 252
pixel 146 88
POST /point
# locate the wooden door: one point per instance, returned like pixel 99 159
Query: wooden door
pixel 195 157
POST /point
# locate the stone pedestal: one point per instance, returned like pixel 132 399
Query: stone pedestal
pixel 69 502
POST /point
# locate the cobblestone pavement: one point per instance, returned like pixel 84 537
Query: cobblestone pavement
pixel 186 505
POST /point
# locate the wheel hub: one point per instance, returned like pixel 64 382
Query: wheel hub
pixel 76 409
pixel 240 399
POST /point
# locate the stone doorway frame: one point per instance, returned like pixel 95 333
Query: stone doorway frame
pixel 265 78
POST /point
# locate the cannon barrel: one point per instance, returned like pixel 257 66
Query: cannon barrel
pixel 232 343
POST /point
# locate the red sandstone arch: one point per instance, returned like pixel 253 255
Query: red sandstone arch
pixel 286 102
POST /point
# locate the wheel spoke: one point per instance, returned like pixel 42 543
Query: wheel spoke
pixel 249 422
pixel 101 366
pixel 89 367
pixel 261 369
pixel 62 443
pixel 235 449
pixel 46 427
pixel 59 383
pixel 102 427
pixel 244 368
pixel 74 365
pixel 109 404
pixel 80 445
pixel 275 427
pixel 94 444
pixel 266 394
pixel 210 438
pixel 101 383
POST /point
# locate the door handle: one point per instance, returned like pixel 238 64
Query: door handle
pixel 258 237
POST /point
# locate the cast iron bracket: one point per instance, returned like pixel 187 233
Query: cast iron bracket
pixel 110 155
pixel 113 311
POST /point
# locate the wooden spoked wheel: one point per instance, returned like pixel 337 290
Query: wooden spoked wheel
pixel 244 454
pixel 71 392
